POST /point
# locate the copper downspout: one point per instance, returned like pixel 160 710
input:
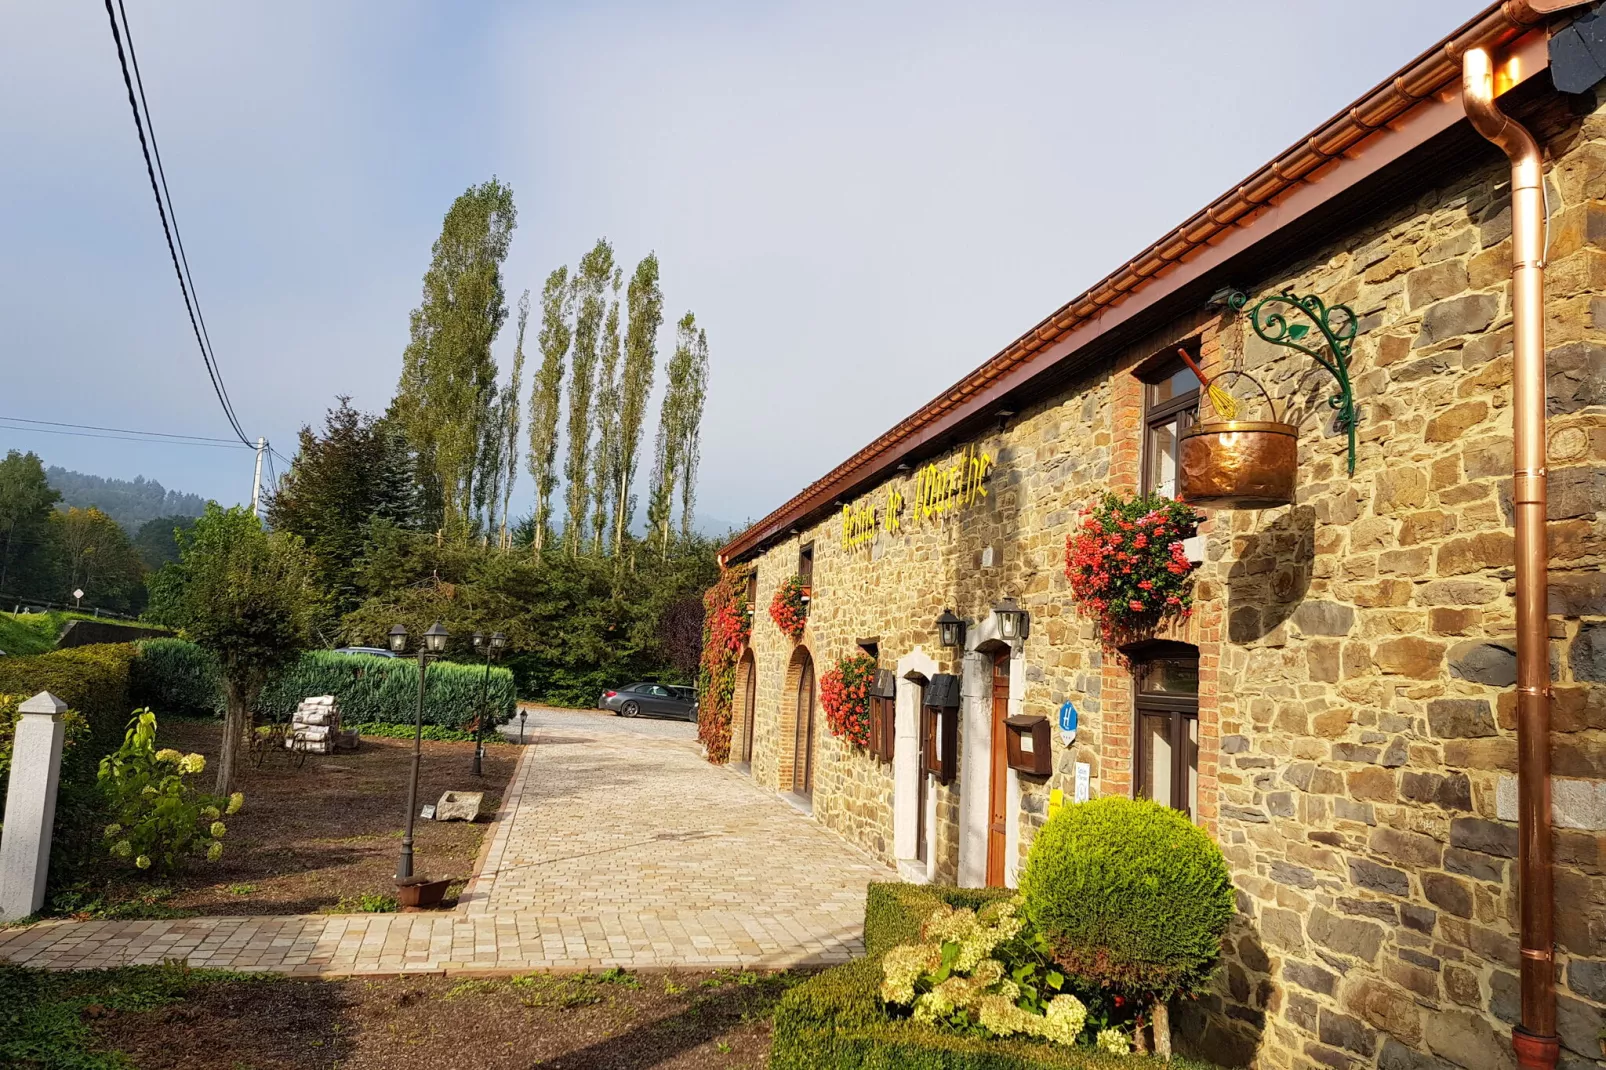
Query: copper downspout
pixel 1535 1039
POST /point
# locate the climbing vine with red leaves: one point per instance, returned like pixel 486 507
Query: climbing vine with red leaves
pixel 727 626
pixel 845 694
pixel 789 609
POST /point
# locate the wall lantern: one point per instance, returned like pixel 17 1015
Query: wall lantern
pixel 939 720
pixel 398 639
pixel 435 638
pixel 883 715
pixel 1013 621
pixel 950 630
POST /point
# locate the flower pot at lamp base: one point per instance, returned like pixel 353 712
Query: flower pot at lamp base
pixel 420 893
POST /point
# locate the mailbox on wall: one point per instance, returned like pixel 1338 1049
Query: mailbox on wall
pixel 1028 745
pixel 883 715
pixel 940 727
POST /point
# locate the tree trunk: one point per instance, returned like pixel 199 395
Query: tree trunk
pixel 1161 1013
pixel 236 725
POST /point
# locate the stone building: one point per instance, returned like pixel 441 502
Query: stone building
pixel 1338 711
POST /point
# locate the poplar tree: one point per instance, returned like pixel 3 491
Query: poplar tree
pixel 669 459
pixel 645 303
pixel 691 428
pixel 448 380
pixel 605 459
pixel 557 302
pixel 512 397
pixel 590 294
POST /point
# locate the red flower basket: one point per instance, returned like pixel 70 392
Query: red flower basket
pixel 845 695
pixel 789 609
pixel 1127 565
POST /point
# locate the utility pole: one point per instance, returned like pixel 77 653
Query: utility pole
pixel 256 478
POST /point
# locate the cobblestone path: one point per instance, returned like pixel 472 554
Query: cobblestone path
pixel 615 847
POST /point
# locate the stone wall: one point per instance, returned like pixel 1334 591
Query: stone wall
pixel 1356 713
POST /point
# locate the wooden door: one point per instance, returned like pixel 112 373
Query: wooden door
pixel 924 778
pixel 998 782
pixel 749 700
pixel 803 762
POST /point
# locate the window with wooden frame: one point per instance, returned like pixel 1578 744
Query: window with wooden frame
pixel 1166 682
pixel 752 589
pixel 1170 407
pixel 805 564
pixel 883 716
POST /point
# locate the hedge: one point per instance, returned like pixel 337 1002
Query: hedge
pixel 370 688
pixel 836 1020
pixel 177 677
pixel 93 682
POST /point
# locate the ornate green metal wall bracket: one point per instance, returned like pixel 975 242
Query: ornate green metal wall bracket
pixel 1329 347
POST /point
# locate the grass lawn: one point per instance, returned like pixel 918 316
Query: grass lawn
pixel 170 1018
pixel 22 634
pixel 315 838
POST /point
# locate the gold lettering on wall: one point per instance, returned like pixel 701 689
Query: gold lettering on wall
pixel 939 490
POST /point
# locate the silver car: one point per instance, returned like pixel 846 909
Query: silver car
pixel 651 700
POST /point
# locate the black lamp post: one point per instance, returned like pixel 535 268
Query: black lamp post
pixel 492 647
pixel 433 645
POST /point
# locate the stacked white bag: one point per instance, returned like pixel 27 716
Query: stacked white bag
pixel 314 726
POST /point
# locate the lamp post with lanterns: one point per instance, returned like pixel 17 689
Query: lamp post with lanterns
pixel 492 645
pixel 434 645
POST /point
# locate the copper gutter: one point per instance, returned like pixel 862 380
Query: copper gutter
pixel 1535 1039
pixel 1371 125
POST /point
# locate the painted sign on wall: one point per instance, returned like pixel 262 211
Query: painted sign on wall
pixel 938 491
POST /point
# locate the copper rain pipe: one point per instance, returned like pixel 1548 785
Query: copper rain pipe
pixel 1535 1039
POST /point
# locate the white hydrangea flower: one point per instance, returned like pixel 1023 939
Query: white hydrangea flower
pixel 236 803
pixel 192 763
pixel 1064 1019
pixel 1113 1041
pixel 902 966
pixel 168 754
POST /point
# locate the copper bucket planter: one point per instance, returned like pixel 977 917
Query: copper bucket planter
pixel 1238 464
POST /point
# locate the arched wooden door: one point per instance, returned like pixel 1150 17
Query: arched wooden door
pixel 998 780
pixel 749 701
pixel 803 744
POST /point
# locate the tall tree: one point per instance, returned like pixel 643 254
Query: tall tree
pixel 26 498
pixel 92 553
pixel 340 482
pixel 557 303
pixel 590 289
pixel 605 458
pixel 645 303
pixel 512 399
pixel 448 380
pixel 247 596
pixel 157 542
pixel 691 428
pixel 669 455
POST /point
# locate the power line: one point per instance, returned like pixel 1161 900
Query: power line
pixel 168 231
pixel 120 430
pixel 121 438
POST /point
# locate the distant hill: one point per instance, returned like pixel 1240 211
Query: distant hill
pixel 129 502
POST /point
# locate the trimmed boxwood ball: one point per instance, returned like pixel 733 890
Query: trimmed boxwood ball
pixel 1131 895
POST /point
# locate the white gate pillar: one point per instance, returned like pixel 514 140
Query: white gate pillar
pixel 31 806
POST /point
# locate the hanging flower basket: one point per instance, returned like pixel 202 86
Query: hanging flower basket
pixel 845 695
pixel 790 607
pixel 1127 565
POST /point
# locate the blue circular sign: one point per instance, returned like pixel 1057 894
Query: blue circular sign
pixel 1068 721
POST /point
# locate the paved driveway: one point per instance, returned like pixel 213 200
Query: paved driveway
pixel 618 846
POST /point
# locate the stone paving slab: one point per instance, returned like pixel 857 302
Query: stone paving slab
pixel 613 848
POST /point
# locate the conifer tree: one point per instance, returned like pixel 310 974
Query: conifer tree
pixel 590 295
pixel 645 303
pixel 557 302
pixel 448 380
pixel 511 400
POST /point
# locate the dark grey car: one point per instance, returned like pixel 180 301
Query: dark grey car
pixel 651 700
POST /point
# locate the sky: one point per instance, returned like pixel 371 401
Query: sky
pixel 861 201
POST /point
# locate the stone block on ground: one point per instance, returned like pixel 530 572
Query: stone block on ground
pixel 459 806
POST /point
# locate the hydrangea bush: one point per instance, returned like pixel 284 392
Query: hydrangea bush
pixel 1127 565
pixel 161 818
pixel 845 695
pixel 983 971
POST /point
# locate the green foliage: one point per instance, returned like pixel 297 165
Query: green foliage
pixel 366 903
pixel 130 502
pixel 677 451
pixel 645 302
pixel 836 1020
pixel 26 498
pixel 159 818
pixel 30 633
pixel 342 480
pixel 176 677
pixel 431 732
pixel 375 689
pixel 1132 895
pixel 89 551
pixel 591 280
pixel 156 543
pixel 546 397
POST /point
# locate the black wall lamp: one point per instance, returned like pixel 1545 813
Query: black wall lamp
pixel 950 630
pixel 1013 621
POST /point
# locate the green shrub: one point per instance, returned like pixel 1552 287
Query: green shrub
pixel 431 731
pixel 158 817
pixel 379 689
pixel 176 677
pixel 1131 895
pixel 836 1021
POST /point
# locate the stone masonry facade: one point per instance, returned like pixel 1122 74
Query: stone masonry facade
pixel 1357 748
